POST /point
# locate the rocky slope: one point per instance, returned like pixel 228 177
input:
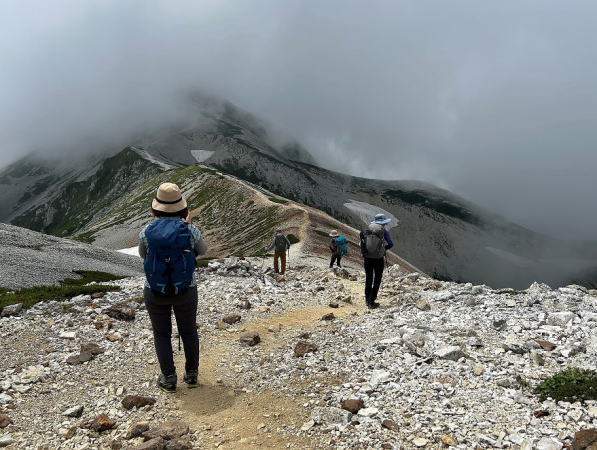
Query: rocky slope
pixel 439 364
pixel 35 259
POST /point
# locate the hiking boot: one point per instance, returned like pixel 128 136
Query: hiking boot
pixel 167 383
pixel 372 305
pixel 190 378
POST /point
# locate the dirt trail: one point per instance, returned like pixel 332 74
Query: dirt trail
pixel 228 417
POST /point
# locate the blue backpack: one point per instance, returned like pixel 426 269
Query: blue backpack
pixel 342 245
pixel 170 260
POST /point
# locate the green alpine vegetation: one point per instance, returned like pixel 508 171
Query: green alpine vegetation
pixel 570 385
pixel 68 288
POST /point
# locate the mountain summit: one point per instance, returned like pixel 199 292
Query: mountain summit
pixel 439 232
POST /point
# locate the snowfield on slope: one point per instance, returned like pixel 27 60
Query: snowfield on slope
pixel 366 212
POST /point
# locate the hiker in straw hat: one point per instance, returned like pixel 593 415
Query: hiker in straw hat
pixel 169 246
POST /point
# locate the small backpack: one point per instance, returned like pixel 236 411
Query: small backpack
pixel 280 243
pixel 342 245
pixel 373 242
pixel 170 260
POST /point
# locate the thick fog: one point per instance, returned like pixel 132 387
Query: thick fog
pixel 496 101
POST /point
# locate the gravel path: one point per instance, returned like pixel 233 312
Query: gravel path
pixel 439 364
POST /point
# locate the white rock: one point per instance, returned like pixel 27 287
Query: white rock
pixel 67 335
pixel 12 310
pixel 330 415
pixel 368 412
pixel 379 377
pixel 420 442
pixel 75 411
pixel 560 318
pixel 6 440
pixel 450 352
pixel 5 399
pixel 548 443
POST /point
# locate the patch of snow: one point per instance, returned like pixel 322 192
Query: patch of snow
pixel 130 251
pixel 511 257
pixel 366 212
pixel 201 155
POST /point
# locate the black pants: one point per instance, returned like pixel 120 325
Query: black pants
pixel 335 258
pixel 160 314
pixel 373 272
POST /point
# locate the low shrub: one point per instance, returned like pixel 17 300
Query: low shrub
pixel 571 385
pixel 68 288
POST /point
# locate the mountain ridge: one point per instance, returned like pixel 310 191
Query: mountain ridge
pixel 443 234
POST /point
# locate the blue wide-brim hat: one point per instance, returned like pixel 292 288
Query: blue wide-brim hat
pixel 380 219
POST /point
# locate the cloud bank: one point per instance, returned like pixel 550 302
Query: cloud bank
pixel 495 101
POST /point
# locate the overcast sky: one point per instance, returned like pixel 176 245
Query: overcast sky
pixel 494 100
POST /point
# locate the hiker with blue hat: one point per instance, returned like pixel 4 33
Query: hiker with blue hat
pixel 375 241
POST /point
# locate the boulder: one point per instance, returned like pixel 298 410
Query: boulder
pixel 560 318
pixel 546 345
pixel 4 420
pixel 423 304
pixel 390 425
pixel 250 339
pixel 92 348
pixel 167 431
pixel 585 439
pixel 122 311
pixel 136 429
pixel 352 405
pixel 102 423
pixel 330 415
pixel 328 316
pixel 6 440
pixel 450 352
pixel 303 347
pixel 137 401
pixel 369 412
pixel 548 443
pixel 379 377
pixel 151 444
pixel 231 319
pixel 75 411
pixel 12 310
pixel 181 443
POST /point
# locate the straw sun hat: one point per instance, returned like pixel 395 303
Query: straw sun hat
pixel 169 199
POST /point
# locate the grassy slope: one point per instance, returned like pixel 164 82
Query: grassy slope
pixel 236 222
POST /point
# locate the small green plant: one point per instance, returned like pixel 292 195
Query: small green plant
pixel 68 288
pixel 293 239
pixel 571 384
